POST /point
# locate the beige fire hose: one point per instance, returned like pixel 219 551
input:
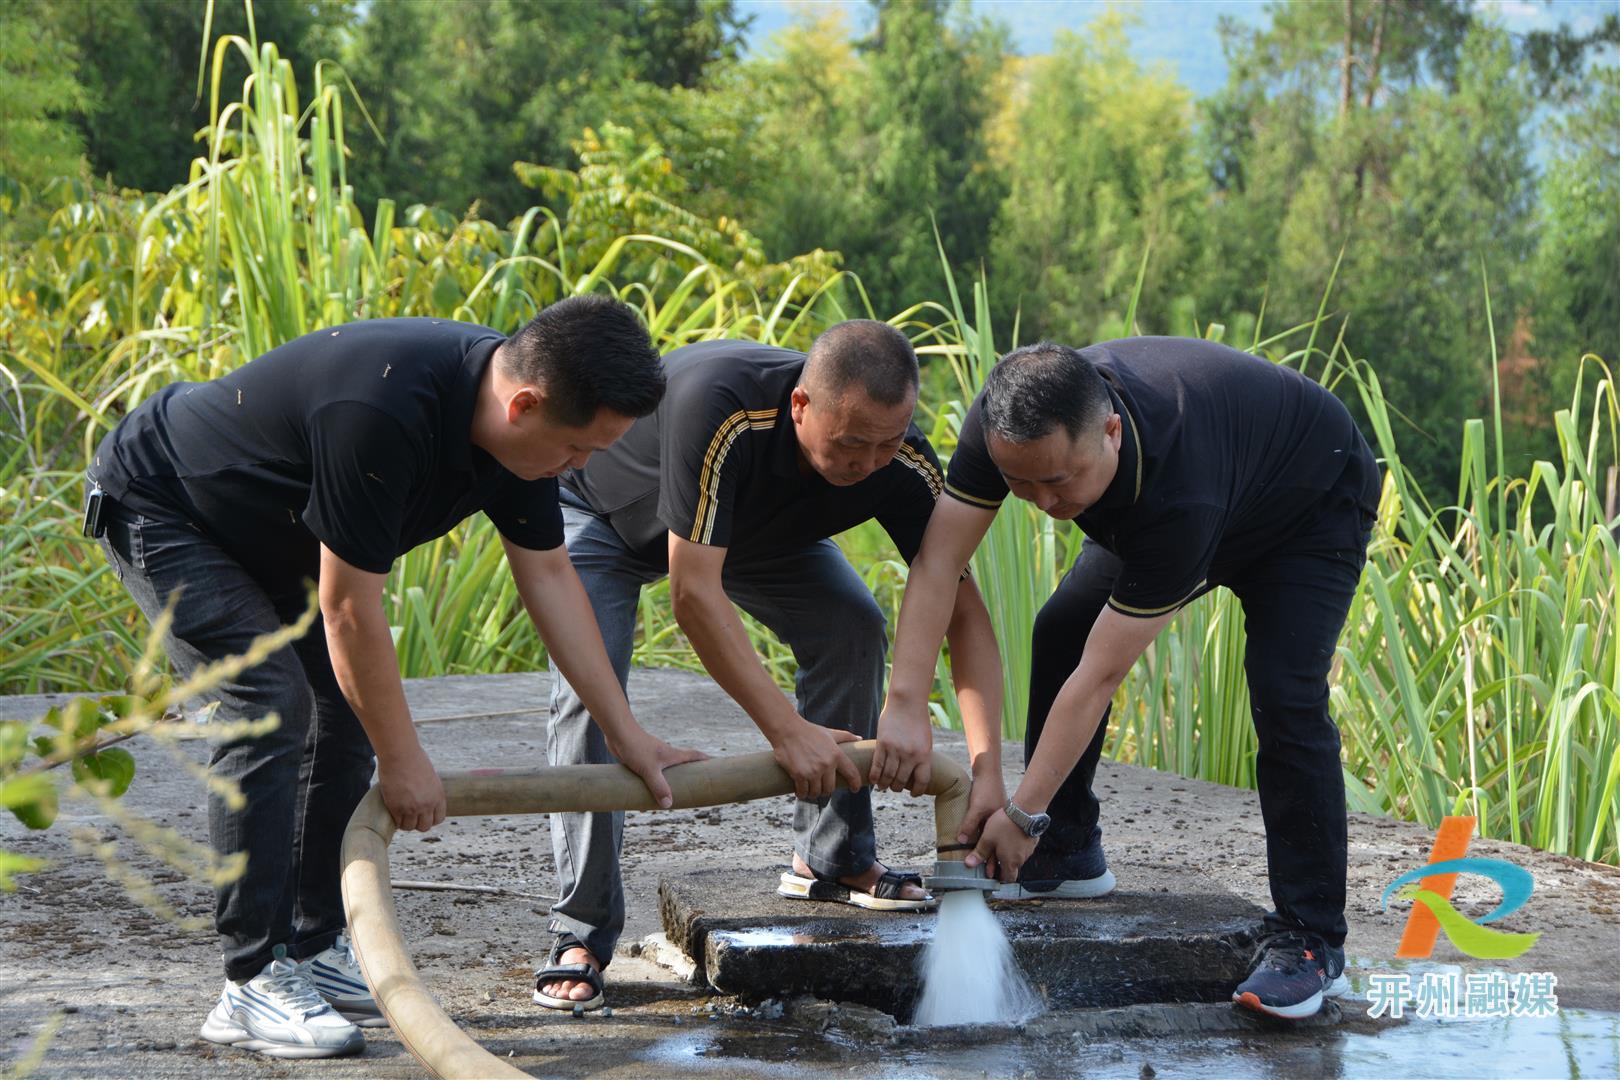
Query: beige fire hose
pixel 416 1017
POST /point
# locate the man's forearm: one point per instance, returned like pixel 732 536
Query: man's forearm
pixel 1070 725
pixel 367 670
pixel 567 625
pixel 925 613
pixel 717 635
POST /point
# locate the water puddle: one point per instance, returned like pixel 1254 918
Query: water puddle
pixel 1575 1043
pixel 831 933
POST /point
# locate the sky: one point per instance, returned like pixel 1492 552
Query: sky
pixel 1180 33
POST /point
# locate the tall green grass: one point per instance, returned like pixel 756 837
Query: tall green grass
pixel 122 294
pixel 1477 672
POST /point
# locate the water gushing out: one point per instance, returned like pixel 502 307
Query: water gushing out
pixel 969 975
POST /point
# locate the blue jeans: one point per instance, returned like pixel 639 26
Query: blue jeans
pixel 301 781
pixel 810 598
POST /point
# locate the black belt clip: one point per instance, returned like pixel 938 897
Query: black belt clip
pixel 95 513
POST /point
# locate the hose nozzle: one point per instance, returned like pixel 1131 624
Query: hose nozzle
pixel 950 875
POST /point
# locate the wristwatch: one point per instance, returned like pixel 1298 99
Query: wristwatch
pixel 1032 824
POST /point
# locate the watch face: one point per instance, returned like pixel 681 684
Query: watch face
pixel 1039 823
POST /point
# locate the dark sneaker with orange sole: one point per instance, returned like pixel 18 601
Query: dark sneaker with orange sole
pixel 1293 974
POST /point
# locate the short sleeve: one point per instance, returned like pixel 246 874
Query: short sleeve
pixel 909 505
pixel 702 454
pixel 1167 564
pixel 527 512
pixel 973 477
pixel 363 468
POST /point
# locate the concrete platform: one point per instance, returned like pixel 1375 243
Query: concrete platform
pixel 1164 936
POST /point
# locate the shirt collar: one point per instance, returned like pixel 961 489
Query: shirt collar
pixel 463 400
pixel 1126 487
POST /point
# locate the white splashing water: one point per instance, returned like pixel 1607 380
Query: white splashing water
pixel 969 975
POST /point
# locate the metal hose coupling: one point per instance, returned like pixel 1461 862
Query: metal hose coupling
pixel 952 875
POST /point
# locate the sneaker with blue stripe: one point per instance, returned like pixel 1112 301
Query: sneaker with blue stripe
pixel 280 1014
pixel 337 977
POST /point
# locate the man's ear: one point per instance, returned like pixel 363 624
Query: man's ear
pixel 798 403
pixel 524 399
pixel 1114 430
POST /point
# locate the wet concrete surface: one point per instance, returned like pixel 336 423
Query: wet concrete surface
pixel 1165 936
pixel 129 989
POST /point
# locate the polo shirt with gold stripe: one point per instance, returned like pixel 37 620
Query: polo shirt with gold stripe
pixel 718 463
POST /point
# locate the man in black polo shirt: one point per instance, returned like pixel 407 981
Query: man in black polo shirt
pixel 1187 465
pixel 756 456
pixel 323 461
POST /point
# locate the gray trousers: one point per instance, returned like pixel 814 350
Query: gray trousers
pixel 810 598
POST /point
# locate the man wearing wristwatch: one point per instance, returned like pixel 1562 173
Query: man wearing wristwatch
pixel 1033 826
pixel 1187 465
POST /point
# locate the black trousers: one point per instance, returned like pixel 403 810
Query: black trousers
pixel 299 782
pixel 1294 601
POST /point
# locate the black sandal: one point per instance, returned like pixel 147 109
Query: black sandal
pixel 554 971
pixel 887 893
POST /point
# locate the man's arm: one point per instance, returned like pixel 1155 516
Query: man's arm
pixel 367 670
pixel 933 602
pixel 809 753
pixel 556 601
pixel 903 761
pixel 1114 644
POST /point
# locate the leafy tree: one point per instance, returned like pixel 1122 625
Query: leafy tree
pixel 819 142
pixel 464 90
pixel 922 149
pixel 39 93
pixel 1577 265
pixel 139 66
pixel 1396 134
pixel 1101 167
pixel 806 89
pixel 1459 198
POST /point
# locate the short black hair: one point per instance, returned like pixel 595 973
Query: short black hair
pixel 1039 387
pixel 587 353
pixel 865 353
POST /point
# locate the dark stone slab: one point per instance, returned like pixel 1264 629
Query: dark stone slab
pixel 1165 935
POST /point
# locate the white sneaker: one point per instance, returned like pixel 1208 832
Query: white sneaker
pixel 1080 889
pixel 338 978
pixel 278 1013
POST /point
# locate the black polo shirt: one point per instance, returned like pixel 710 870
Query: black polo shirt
pixel 1224 456
pixel 718 463
pixel 356 437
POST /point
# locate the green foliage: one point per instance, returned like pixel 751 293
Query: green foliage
pixel 624 188
pixel 138 62
pixel 1100 164
pixel 461 91
pixel 1398 140
pixel 83 735
pixel 40 90
pixel 1577 265
pixel 921 150
pixel 119 295
pixel 1460 192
